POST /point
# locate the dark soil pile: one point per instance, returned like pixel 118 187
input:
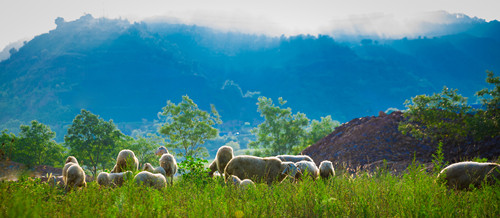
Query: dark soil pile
pixel 364 144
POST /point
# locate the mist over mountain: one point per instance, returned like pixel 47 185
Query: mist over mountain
pixel 127 71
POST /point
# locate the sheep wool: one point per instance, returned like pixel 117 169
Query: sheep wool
pixel 268 169
pixel 69 162
pixel 223 156
pixel 146 178
pixel 113 179
pixel 168 163
pixel 307 167
pixel 241 184
pixel 148 167
pixel 463 174
pixel 294 158
pixel 75 177
pixel 126 160
pixel 326 169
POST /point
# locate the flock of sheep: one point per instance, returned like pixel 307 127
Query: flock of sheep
pixel 242 171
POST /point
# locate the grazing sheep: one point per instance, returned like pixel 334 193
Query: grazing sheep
pixel 148 167
pixel 146 178
pixel 307 167
pixel 161 150
pixel 168 163
pixel 69 161
pixel 268 169
pixel 224 155
pixel 463 174
pixel 75 177
pixel 294 158
pixel 113 179
pixel 126 160
pixel 242 184
pixel 326 169
pixel 53 180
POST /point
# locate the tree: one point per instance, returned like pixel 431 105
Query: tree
pixel 36 146
pixel 318 130
pixel 92 139
pixel 281 131
pixel 488 121
pixel 7 141
pixel 144 145
pixel 187 127
pixel 439 117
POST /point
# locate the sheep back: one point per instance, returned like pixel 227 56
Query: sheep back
pixel 168 163
pixel 463 174
pixel 224 155
pixel 294 158
pixel 146 178
pixel 307 167
pixel 326 169
pixel 75 177
pixel 268 169
pixel 126 160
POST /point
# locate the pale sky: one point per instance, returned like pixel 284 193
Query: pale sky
pixel 23 19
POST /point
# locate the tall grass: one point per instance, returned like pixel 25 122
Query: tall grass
pixel 380 194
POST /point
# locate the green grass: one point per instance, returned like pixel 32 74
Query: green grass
pixel 413 194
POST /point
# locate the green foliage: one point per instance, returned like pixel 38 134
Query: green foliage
pixel 439 117
pixel 281 131
pixel 193 169
pixel 446 116
pixel 412 194
pixel 316 131
pixel 92 140
pixel 233 144
pixel 7 144
pixel 488 121
pixel 438 158
pixel 35 145
pixel 144 147
pixel 187 127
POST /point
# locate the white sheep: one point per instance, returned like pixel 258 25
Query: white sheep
pixel 161 150
pixel 267 169
pixel 113 179
pixel 223 156
pixel 126 160
pixel 294 158
pixel 148 167
pixel 241 184
pixel 307 167
pixel 168 163
pixel 463 174
pixel 69 161
pixel 326 169
pixel 75 177
pixel 146 178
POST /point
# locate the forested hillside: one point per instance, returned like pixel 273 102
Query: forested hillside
pixel 127 72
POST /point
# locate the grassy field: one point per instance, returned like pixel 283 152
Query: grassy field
pixel 413 194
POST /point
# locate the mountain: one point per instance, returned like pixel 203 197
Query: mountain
pixel 127 71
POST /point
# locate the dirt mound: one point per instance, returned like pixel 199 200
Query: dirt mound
pixel 366 142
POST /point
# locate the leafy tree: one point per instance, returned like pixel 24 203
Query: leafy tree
pixel 439 117
pixel 488 121
pixel 7 144
pixel 92 139
pixel 187 127
pixel 281 131
pixel 145 145
pixel 316 131
pixel 36 146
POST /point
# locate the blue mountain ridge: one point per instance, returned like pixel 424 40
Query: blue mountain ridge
pixel 127 71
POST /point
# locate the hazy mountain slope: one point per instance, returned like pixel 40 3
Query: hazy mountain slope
pixel 127 72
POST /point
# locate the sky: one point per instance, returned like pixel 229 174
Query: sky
pixel 24 19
